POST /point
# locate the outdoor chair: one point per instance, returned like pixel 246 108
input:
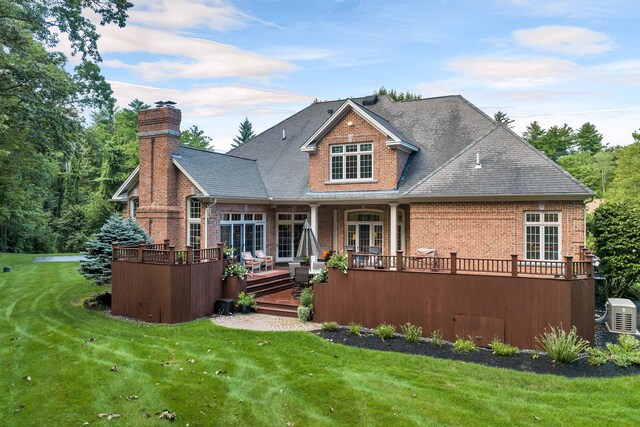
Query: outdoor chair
pixel 266 260
pixel 251 262
pixel 300 281
pixel 317 265
pixel 292 270
pixel 375 260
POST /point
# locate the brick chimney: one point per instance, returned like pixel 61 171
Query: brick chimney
pixel 158 138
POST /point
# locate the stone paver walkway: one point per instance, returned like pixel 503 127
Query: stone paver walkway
pixel 264 322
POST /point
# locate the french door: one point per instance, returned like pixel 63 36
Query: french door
pixel 243 232
pixel 289 231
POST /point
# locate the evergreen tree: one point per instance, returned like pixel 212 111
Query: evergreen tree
pixel 397 96
pixel 502 118
pixel 245 133
pixel 195 138
pixel 97 265
pixel 589 139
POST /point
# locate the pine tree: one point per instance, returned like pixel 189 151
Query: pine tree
pixel 589 139
pixel 97 265
pixel 501 117
pixel 246 133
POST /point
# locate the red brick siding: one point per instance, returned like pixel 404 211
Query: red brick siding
pixel 386 161
pixel 488 229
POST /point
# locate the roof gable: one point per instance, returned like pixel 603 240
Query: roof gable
pixel 395 139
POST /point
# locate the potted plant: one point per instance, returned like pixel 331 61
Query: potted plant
pixel 229 254
pixel 234 280
pixel 246 302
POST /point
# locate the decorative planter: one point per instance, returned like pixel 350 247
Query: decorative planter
pixel 232 286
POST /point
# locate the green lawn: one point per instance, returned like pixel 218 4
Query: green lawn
pixel 298 378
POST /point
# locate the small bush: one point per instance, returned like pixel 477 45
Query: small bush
pixel 339 260
pixel 384 330
pixel 562 346
pixel 306 297
pixel 412 333
pixel 463 346
pixel 596 356
pixel 329 326
pixel 436 338
pixel 355 328
pixel 626 352
pixel 500 348
pixel 304 313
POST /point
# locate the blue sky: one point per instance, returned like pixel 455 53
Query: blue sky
pixel 552 61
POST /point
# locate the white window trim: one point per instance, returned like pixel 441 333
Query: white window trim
pixel 344 154
pixel 290 221
pixel 191 220
pixel 374 223
pixel 403 230
pixel 541 224
pixel 244 221
pixel 132 206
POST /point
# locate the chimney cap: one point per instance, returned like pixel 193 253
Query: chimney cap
pixel 160 104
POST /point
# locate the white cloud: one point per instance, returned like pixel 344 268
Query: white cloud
pixel 574 41
pixel 218 109
pixel 509 73
pixel 185 57
pixel 178 14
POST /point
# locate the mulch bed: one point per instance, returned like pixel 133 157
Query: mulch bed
pixel 523 361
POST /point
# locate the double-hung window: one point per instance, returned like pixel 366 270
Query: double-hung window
pixel 542 235
pixel 194 210
pixel 352 162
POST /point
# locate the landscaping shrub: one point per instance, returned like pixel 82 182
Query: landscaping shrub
pixel 562 346
pixel 385 330
pixel 306 297
pixel 339 260
pixel 321 277
pixel 329 326
pixel 626 352
pixel 500 348
pixel 304 313
pixel 412 333
pixel 436 338
pixel 355 328
pixel 464 346
pixel 596 356
pixel 97 265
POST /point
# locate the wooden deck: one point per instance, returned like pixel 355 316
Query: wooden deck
pixel 280 303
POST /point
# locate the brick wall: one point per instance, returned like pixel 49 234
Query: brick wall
pixel 488 229
pixel 387 163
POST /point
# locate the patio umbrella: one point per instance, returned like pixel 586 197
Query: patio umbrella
pixel 308 243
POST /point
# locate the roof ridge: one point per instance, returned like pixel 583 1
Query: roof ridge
pixel 459 154
pixel 215 152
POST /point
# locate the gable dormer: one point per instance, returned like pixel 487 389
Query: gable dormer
pixel 356 150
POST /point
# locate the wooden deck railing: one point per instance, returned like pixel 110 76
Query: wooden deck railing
pixel 164 253
pixel 567 269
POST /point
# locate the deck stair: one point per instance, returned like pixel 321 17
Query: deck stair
pixel 278 304
pixel 268 282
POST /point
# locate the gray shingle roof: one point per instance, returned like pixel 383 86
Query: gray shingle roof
pixel 510 166
pixel 444 129
pixel 222 175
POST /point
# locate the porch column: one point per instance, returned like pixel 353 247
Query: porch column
pixel 393 244
pixel 314 219
pixel 335 230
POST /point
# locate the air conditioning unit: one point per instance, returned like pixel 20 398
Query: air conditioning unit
pixel 622 316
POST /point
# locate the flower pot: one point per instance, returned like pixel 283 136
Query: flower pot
pixel 246 310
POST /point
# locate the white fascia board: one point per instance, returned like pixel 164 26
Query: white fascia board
pixel 126 185
pixel 405 146
pixel 193 181
pixel 310 144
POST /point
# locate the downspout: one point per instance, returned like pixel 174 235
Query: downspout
pixel 206 222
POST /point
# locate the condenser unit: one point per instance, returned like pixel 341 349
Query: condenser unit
pixel 622 316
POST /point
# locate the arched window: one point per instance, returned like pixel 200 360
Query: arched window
pixel 365 230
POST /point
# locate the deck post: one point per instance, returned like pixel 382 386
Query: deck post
pixel 166 244
pixel 590 266
pixel 454 262
pixel 189 254
pixel 398 260
pixel 220 251
pixel 350 258
pixel 514 265
pixel 568 267
pixel 114 252
pixel 172 255
pixel 140 253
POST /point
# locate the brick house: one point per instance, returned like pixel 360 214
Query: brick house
pixel 366 172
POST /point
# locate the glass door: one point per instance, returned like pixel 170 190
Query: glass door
pixel 285 244
pixel 289 233
pixel 364 238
